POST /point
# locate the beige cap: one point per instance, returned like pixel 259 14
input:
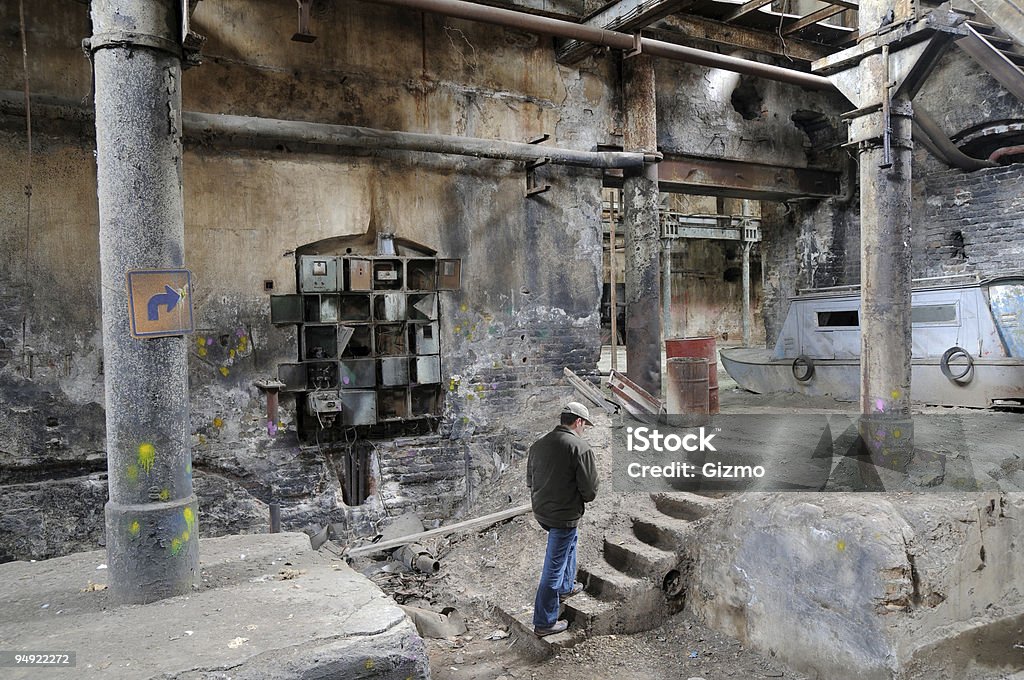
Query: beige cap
pixel 578 410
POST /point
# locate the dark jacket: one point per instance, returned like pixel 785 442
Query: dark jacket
pixel 562 475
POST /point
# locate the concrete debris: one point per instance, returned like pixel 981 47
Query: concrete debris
pixel 447 623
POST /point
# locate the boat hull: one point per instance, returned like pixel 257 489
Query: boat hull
pixel 991 381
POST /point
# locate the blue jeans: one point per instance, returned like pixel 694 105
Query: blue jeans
pixel 558 575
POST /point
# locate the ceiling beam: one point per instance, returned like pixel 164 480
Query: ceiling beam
pixel 746 8
pixel 813 18
pixel 627 16
pixel 681 174
pixel 687 29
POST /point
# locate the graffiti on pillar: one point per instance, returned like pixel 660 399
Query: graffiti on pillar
pixel 179 542
pixel 134 529
pixel 147 456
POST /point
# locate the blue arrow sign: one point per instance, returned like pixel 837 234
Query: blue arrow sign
pixel 169 299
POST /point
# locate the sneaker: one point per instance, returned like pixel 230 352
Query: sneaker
pixel 577 588
pixel 559 627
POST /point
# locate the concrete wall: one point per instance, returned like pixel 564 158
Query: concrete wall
pixel 531 267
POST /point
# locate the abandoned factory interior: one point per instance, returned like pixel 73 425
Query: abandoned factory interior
pixel 512 339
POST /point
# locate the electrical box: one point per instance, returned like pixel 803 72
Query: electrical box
pixel 449 274
pixel 358 373
pixel 293 376
pixel 423 307
pixel 389 307
pixel 285 309
pixel 318 274
pixel 359 407
pixel 394 371
pixel 427 341
pixel 324 403
pixel 319 342
pixel 428 370
pixel 359 277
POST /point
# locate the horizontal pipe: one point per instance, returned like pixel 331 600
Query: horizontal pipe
pixel 605 38
pixel 270 130
pixel 286 131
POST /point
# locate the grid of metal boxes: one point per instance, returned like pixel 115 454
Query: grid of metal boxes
pixel 369 347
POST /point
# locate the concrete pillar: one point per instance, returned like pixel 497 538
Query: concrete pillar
pixel 885 196
pixel 643 231
pixel 152 535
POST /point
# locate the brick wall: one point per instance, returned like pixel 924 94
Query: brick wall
pixel 970 222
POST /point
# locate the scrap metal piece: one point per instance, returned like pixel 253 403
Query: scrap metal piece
pixel 587 390
pixel 416 556
pixel 637 401
pixel 303 34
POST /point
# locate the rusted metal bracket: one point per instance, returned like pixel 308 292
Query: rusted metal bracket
pixel 638 47
pixel 533 186
pixel 303 34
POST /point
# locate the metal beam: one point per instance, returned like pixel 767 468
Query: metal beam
pixel 813 18
pixel 700 32
pixel 746 8
pixel 625 15
pixel 738 179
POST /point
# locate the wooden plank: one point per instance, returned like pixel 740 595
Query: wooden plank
pixel 813 18
pixel 458 527
pixel 746 8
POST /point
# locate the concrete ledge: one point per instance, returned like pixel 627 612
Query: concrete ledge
pixel 268 607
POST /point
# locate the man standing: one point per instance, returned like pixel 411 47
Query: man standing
pixel 561 473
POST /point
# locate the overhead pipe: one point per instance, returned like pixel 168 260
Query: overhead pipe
pixel 929 133
pixel 560 28
pixel 270 130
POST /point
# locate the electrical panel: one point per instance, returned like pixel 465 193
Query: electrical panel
pixel 369 342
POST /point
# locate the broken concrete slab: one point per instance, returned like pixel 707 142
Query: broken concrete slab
pixel 268 607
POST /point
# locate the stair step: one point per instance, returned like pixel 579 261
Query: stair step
pixel 981 27
pixel 588 614
pixel 682 505
pixel 632 556
pixel 1017 59
pixel 608 583
pixel 521 625
pixel 660 530
pixel 999 42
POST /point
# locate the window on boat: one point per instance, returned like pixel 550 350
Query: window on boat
pixel 845 317
pixel 933 314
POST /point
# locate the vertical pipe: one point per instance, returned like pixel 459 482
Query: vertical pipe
pixel 666 288
pixel 640 221
pixel 272 401
pixel 746 293
pixel 152 536
pixel 613 275
pixel 275 518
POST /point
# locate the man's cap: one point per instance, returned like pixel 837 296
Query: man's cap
pixel 579 410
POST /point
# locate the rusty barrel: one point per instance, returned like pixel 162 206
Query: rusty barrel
pixel 698 347
pixel 687 391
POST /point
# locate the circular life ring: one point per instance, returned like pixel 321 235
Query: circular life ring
pixel 803 368
pixel 955 353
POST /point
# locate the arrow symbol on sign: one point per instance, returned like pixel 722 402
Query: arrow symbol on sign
pixel 169 299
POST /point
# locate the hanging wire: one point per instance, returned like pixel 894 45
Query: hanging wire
pixel 28 129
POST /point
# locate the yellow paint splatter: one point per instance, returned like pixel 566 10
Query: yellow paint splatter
pixel 190 518
pixel 841 546
pixel 201 341
pixel 147 456
pixel 165 495
pixel 134 528
pixel 185 535
pixel 231 353
pixel 132 472
pixel 202 352
pixel 464 307
pixel 218 422
pixel 897 434
pixel 224 371
pixel 458 329
pixel 176 545
pixel 369 665
pixel 188 468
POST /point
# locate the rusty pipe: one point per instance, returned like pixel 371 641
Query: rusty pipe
pixel 1006 151
pixel 602 37
pixel 417 557
pixel 271 130
pixel 351 136
pixel 931 134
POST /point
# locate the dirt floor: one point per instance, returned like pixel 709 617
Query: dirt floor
pixel 495 570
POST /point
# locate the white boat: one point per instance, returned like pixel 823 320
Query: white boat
pixel 967 345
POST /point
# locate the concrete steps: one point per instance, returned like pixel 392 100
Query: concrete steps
pixel 639 582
